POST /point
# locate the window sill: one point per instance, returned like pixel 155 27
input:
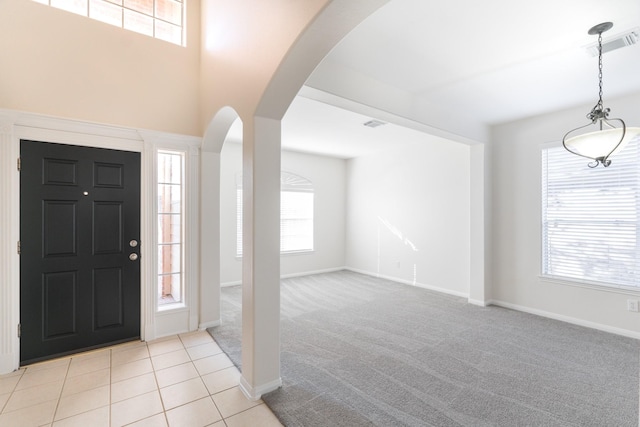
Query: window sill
pixel 617 289
pixel 302 252
pixel 171 308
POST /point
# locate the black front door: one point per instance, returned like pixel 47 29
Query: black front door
pixel 79 248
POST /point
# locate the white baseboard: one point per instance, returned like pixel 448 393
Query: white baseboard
pixel 537 312
pixel 287 276
pixel 227 284
pixel 309 273
pixel 211 324
pixel 568 319
pixel 410 283
pixel 8 363
pixel 255 393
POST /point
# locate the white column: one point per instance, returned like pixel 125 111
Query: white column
pixel 261 257
pixel 193 236
pixel 479 256
pixel 209 239
pixel 148 215
pixel 9 260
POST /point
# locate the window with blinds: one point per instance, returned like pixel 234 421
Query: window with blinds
pixel 296 214
pixel 590 218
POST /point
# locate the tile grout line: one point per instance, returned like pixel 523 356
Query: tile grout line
pixel 110 355
pixel 110 383
pixel 155 377
pixel 64 381
pixel 209 395
pixel 110 394
pixel 11 393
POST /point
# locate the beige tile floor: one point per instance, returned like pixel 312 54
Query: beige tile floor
pixel 183 380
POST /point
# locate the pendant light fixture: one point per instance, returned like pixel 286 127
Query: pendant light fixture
pixel 603 136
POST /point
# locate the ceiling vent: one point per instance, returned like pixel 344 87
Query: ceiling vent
pixel 626 39
pixel 374 123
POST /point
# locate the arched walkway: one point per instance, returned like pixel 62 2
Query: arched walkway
pixel 210 216
pixel 261 177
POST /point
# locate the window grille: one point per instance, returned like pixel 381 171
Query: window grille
pixel 162 19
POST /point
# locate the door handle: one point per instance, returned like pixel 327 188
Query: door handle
pixel 133 243
pixel 133 256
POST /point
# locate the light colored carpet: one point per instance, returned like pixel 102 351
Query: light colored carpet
pixel 363 351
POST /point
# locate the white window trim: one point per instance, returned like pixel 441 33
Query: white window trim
pixel 179 304
pixel 569 281
pixel 289 182
pixel 585 284
pixel 179 317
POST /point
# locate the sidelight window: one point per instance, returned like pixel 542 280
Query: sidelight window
pixel 162 19
pixel 170 227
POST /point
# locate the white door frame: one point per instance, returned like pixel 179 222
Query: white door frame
pixel 15 126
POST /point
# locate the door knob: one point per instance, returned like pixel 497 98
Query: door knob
pixel 133 257
pixel 133 243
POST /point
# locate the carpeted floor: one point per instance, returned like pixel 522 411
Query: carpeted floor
pixel 363 351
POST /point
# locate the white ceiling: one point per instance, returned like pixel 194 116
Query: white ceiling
pixel 317 127
pixel 458 66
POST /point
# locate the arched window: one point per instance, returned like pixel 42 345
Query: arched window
pixel 296 213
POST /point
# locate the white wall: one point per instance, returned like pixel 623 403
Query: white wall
pixel 328 177
pixel 516 163
pixel 65 65
pixel 408 213
pixel 244 43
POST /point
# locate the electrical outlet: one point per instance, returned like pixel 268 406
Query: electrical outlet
pixel 632 305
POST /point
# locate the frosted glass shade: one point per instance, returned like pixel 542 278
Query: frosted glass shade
pixel 601 143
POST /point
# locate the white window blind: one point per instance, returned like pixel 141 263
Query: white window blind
pixel 590 218
pixel 296 214
pixel 296 221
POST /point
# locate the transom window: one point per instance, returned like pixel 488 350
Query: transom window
pixel 162 19
pixel 590 218
pixel 296 214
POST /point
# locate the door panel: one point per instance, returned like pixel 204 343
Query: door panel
pixel 108 297
pixel 108 175
pixel 60 226
pixel 78 287
pixel 107 227
pixel 59 304
pixel 60 172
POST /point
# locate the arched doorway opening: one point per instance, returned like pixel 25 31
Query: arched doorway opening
pixel 212 144
pixel 261 178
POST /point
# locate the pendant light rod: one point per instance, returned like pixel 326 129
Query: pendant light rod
pixel 609 135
